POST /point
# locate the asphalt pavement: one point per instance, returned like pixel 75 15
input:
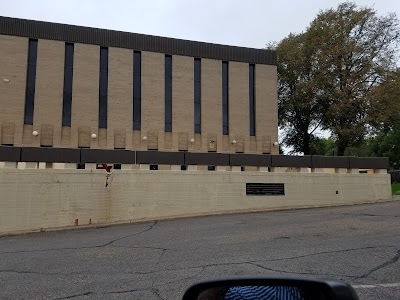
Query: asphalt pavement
pixel 159 260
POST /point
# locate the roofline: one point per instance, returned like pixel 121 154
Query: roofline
pixel 136 41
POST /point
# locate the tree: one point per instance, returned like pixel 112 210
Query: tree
pixel 327 74
pixel 355 47
pixel 323 146
pixel 385 101
pixel 299 109
pixel 386 144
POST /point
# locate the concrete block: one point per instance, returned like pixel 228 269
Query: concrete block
pixel 380 171
pixel 58 166
pixel 278 169
pixel 192 168
pixel 27 165
pixel 263 169
pixel 144 167
pixel 236 168
pixel 175 167
pixel 70 166
pixel 8 165
pixel 220 168
pixel 317 170
pixel 340 170
pixel 126 166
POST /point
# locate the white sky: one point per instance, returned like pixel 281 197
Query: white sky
pixel 251 23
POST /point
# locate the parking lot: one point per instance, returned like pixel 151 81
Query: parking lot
pixel 160 259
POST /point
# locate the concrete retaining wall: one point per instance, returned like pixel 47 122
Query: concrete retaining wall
pixel 41 199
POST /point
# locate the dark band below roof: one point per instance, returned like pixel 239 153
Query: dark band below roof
pixel 120 39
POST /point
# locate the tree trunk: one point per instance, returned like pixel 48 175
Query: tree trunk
pixel 306 143
pixel 342 145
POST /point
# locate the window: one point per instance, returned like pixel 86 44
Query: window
pixel 67 94
pixel 153 167
pixel 103 87
pixel 117 166
pixel 137 89
pixel 225 98
pixel 211 168
pixel 30 82
pixel 197 95
pixel 168 93
pixel 183 167
pixel 252 104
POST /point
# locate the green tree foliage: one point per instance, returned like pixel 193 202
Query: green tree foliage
pixel 300 110
pixel 327 75
pixel 386 114
pixel 386 144
pixel 355 47
pixel 323 146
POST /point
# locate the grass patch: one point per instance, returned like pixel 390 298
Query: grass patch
pixel 396 188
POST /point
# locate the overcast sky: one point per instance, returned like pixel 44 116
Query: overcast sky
pixel 248 23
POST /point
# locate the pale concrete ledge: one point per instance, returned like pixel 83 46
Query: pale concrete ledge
pixel 176 168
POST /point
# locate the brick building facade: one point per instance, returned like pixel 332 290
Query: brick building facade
pixel 75 87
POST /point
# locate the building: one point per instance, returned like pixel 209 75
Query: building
pixel 73 99
pixel 68 86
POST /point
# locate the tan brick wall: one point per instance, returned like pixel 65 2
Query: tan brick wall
pixel 211 100
pixel 48 100
pixel 153 95
pixel 120 97
pixel 49 89
pixel 13 64
pixel 85 90
pixel 266 106
pixel 239 122
pixel 182 97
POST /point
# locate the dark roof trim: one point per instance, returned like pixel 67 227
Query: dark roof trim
pixel 40 154
pixel 120 39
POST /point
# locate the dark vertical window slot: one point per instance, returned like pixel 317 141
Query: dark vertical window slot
pixel 30 82
pixel 168 93
pixel 252 100
pixel 103 87
pixel 197 95
pixel 225 98
pixel 137 90
pixel 67 93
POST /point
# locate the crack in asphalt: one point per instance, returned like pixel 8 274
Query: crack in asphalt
pixel 369 215
pixel 155 292
pixel 27 272
pixel 161 257
pixel 106 293
pixel 184 278
pixel 129 235
pixel 389 262
pixel 254 263
pixel 75 296
pixel 299 273
pixel 89 247
pixel 124 291
pixel 325 252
